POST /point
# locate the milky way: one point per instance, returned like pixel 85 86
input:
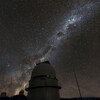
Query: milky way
pixel 42 37
pixel 76 16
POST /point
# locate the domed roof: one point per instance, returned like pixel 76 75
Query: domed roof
pixel 43 68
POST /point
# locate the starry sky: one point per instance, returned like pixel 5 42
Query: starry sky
pixel 65 32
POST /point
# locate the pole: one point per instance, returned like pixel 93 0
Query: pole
pixel 77 84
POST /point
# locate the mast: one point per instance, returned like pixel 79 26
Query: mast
pixel 77 83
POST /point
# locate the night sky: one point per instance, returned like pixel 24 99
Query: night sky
pixel 65 32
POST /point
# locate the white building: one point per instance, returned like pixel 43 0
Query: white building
pixel 43 84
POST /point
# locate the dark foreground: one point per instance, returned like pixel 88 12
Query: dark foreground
pixel 85 98
pixel 18 97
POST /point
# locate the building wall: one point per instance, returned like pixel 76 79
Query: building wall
pixel 44 93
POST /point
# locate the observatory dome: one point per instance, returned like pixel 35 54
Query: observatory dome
pixel 43 69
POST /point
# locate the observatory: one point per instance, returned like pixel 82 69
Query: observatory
pixel 43 84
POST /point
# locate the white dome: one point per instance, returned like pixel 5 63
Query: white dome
pixel 43 68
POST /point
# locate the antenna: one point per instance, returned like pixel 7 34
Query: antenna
pixel 77 83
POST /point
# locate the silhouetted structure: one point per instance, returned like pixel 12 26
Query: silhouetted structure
pixel 43 84
pixel 4 96
pixel 21 96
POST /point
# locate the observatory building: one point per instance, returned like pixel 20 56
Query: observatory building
pixel 43 84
